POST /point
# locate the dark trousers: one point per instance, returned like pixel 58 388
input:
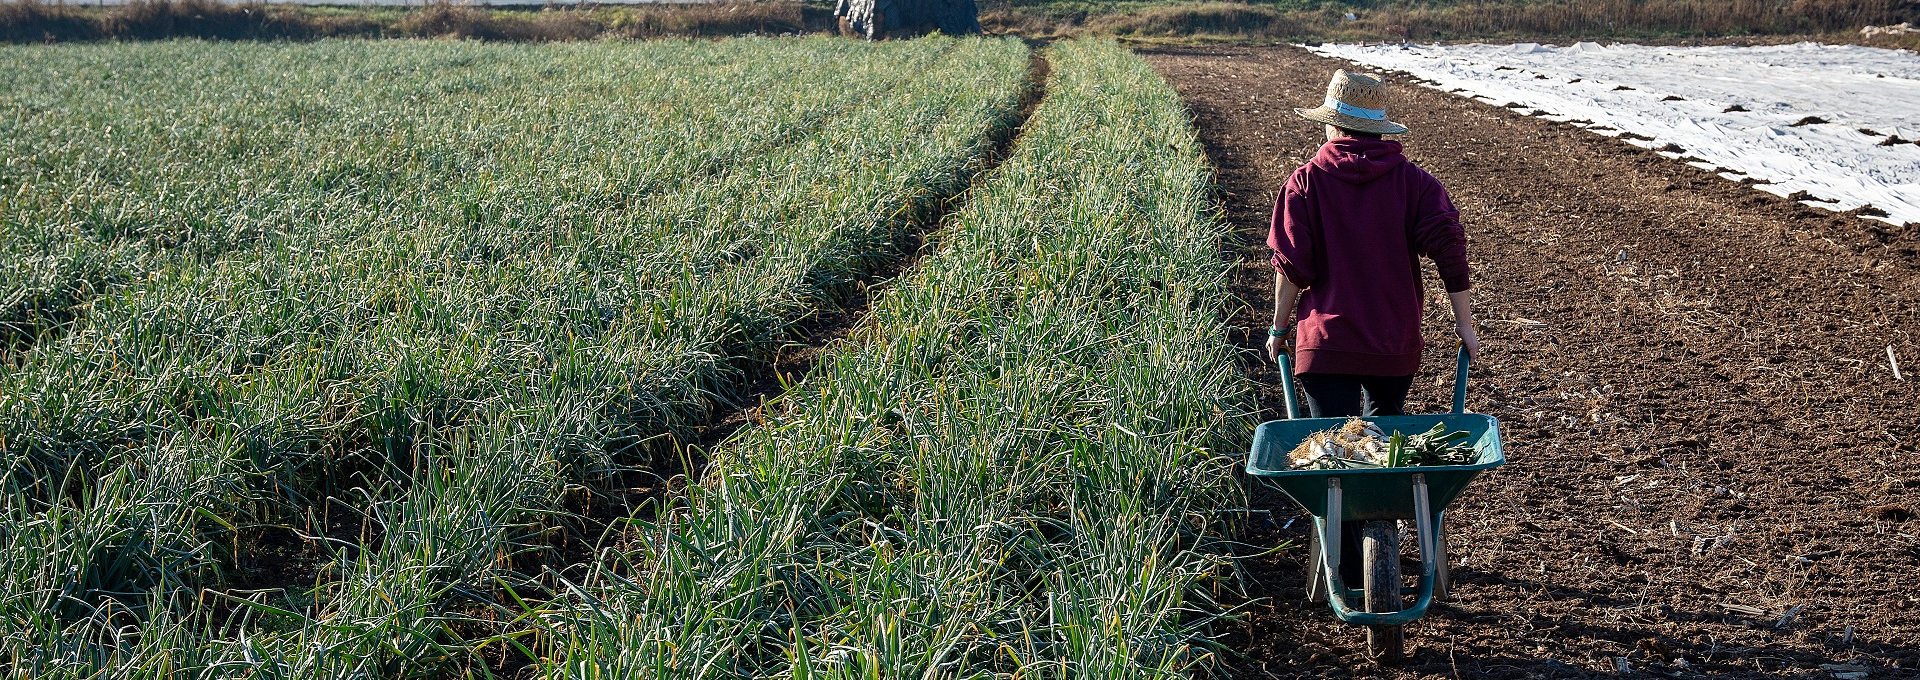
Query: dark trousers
pixel 1337 395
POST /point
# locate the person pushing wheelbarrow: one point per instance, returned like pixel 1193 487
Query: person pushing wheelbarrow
pixel 1347 234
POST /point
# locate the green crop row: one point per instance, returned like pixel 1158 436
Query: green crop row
pixel 517 232
pixel 1010 473
pixel 110 155
pixel 424 285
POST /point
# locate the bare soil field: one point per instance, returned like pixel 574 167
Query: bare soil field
pixel 1713 470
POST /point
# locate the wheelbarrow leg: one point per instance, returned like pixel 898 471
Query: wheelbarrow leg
pixel 1329 556
pixel 1316 570
pixel 1443 577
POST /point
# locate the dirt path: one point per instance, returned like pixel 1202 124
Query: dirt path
pixel 1693 381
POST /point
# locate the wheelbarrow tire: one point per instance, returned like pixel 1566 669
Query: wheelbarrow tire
pixel 1316 572
pixel 1381 542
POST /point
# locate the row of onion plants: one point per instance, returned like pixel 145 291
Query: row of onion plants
pixel 442 362
pixel 1012 471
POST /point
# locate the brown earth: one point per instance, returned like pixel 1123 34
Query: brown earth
pixel 1712 468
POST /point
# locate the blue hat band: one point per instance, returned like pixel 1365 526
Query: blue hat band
pixel 1355 111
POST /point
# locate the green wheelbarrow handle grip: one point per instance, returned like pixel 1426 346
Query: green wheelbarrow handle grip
pixel 1460 380
pixel 1285 361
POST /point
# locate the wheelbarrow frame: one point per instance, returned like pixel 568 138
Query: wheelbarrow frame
pixel 1419 493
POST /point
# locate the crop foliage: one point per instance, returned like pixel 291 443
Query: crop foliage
pixel 1010 473
pixel 313 351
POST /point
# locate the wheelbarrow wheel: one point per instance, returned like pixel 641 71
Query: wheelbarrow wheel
pixel 1382 547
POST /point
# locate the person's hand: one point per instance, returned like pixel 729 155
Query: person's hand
pixel 1277 344
pixel 1469 340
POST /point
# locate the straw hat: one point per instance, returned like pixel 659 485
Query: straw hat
pixel 1355 101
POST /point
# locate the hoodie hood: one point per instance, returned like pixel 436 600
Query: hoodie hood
pixel 1359 160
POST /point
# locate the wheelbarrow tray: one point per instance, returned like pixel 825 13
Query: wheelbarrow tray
pixel 1373 493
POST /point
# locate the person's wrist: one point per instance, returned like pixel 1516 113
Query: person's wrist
pixel 1279 331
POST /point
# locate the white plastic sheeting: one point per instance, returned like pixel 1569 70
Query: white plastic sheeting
pixel 1741 110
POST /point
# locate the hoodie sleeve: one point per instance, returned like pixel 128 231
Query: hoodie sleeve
pixel 1438 235
pixel 1295 234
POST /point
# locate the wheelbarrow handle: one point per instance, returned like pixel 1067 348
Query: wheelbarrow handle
pixel 1285 362
pixel 1460 380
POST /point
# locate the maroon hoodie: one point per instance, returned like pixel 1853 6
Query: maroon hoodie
pixel 1350 229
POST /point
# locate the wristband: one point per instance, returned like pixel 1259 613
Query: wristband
pixel 1278 332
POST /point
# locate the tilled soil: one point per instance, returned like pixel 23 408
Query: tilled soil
pixel 1712 470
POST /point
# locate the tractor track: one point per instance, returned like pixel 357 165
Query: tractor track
pixel 1712 469
pixel 834 322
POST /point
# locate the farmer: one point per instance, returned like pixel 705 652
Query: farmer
pixel 1347 234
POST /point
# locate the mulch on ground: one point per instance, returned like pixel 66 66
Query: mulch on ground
pixel 1712 472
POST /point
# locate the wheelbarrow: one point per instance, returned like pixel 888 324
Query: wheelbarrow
pixel 1380 497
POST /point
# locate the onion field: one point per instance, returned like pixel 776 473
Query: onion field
pixel 314 359
pixel 392 299
pixel 1007 474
